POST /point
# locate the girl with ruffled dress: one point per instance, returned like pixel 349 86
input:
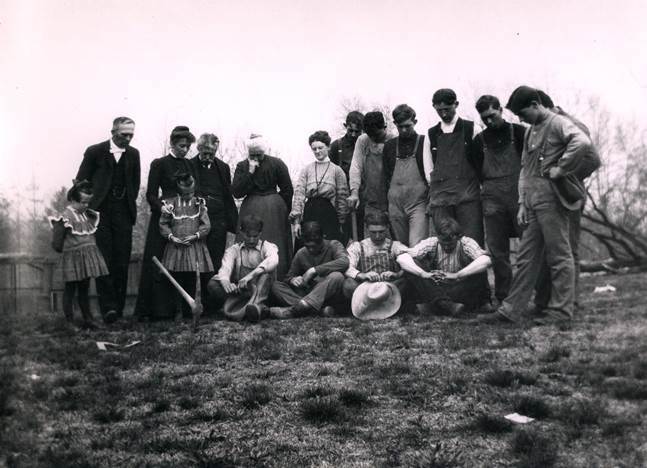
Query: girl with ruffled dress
pixel 81 260
pixel 185 224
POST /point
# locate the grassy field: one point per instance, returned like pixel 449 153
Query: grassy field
pixel 414 391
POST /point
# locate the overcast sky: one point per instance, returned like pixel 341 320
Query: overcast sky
pixel 281 68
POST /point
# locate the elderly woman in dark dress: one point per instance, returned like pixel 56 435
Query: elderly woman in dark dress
pixel 155 296
pixel 256 179
pixel 320 192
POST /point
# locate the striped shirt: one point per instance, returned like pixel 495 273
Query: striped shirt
pixel 467 250
pixel 390 249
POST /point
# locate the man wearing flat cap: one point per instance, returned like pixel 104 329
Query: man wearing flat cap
pixel 114 170
pixel 553 150
pixel 590 163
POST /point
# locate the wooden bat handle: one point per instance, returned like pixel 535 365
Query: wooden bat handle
pixel 185 295
pixel 353 222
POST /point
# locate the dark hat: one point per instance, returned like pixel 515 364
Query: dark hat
pixel 182 131
pixel 546 101
pixel 522 97
pixel 444 95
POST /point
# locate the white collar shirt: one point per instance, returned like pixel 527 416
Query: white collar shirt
pixel 449 127
pixel 116 151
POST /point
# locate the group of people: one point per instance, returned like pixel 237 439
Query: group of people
pixel 373 219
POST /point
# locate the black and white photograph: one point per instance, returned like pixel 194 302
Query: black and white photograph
pixel 355 234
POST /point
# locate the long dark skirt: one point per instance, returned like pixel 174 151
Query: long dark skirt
pixel 155 298
pixel 321 210
pixel 276 228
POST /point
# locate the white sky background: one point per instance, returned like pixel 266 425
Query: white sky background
pixel 280 67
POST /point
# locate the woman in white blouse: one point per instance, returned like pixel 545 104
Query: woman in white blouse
pixel 320 192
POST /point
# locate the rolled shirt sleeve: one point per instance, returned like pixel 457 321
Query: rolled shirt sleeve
pixel 354 254
pixel 357 164
pixel 422 248
pixel 228 263
pixel 270 254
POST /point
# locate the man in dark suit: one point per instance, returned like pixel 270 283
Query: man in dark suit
pixel 213 183
pixel 113 168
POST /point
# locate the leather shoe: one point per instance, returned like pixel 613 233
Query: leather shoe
pixel 328 311
pixel 254 312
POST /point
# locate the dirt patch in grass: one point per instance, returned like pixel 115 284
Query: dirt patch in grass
pixel 411 391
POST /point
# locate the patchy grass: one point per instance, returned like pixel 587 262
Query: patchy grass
pixel 509 378
pixel 256 395
pixel 491 424
pixel 532 406
pixel 536 449
pixel 413 391
pixel 321 410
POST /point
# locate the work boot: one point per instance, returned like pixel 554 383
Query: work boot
pixel 498 317
pixel 253 313
pixel 302 308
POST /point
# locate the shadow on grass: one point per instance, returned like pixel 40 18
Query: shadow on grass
pixel 535 449
pixel 492 424
pixel 509 378
pixel 532 406
pixel 322 410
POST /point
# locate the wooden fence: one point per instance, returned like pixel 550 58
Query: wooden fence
pixel 30 282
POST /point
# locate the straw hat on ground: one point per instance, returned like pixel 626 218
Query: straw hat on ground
pixel 375 301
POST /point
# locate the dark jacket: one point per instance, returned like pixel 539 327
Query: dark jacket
pixel 162 176
pixel 98 166
pixel 231 213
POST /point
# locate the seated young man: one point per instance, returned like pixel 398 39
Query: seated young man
pixel 448 271
pixel 315 278
pixel 246 275
pixel 374 258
